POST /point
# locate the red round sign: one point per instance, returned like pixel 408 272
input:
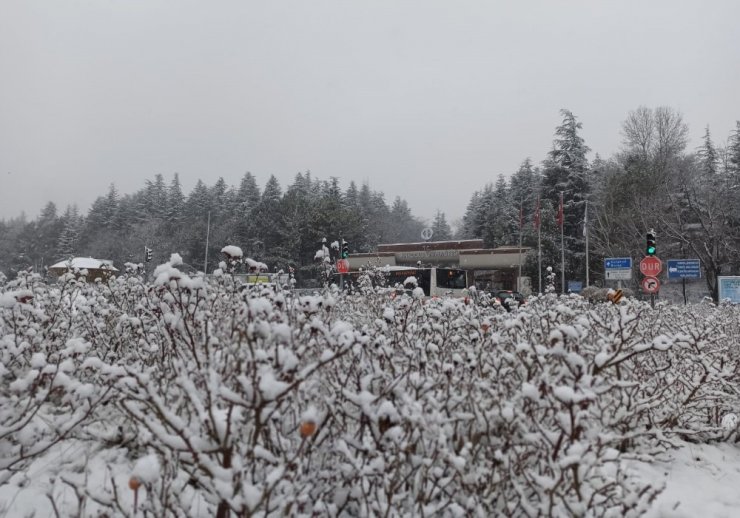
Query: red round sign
pixel 651 266
pixel 650 285
pixel 343 266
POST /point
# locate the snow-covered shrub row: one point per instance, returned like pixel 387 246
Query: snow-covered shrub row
pixel 204 398
pixel 47 390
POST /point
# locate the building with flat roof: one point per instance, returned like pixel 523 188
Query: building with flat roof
pixel 496 267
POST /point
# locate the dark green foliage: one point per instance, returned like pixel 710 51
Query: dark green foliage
pixel 280 228
pixel 441 230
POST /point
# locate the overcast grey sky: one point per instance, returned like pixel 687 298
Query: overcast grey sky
pixel 429 100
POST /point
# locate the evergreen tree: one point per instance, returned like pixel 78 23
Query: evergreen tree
pixel 441 230
pixel 566 171
pixel 175 202
pixel 241 218
pixel 733 152
pixel 374 219
pixel 301 234
pixel 352 217
pixel 330 213
pixel 380 218
pixel 68 245
pixel 271 226
pixel 48 232
pixel 403 226
pixel 109 213
pixel 351 196
pixel 472 222
pixel 708 158
pixel 197 209
pixel 219 199
pixel 154 202
pixel 524 187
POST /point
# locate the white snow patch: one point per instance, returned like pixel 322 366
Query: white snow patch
pixel 147 468
pixel 234 252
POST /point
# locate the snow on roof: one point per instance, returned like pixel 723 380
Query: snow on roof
pixel 85 263
pixel 255 264
pixel 232 251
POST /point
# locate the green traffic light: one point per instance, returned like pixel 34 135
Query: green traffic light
pixel 651 250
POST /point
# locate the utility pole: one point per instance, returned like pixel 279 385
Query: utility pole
pixel 521 223
pixel 341 255
pixel 585 233
pixel 561 222
pixel 208 231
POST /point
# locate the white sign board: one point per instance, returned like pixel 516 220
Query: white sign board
pixel 729 288
pixel 618 274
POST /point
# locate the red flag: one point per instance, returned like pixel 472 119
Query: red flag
pixel 537 215
pixel 560 211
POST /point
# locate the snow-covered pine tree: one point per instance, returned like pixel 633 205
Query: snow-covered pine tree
pixel 707 156
pixel 70 237
pixel 566 171
pixel 441 230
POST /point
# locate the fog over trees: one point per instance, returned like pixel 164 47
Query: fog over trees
pixel 691 197
pixel 279 227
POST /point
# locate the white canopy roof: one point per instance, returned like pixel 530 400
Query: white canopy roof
pixel 86 263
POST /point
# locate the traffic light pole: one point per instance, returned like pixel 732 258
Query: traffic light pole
pixel 651 249
pixel 341 256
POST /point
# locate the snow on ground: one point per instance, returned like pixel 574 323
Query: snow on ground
pixel 702 480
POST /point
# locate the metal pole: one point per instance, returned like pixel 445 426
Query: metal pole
pixel 341 275
pixel 521 214
pixel 208 231
pixel 562 246
pixel 585 231
pixel 539 257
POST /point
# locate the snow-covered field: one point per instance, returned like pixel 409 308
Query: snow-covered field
pixel 194 397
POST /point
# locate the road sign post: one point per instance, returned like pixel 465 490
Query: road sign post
pixel 618 269
pixel 343 266
pixel 650 285
pixel 651 266
pixel 684 269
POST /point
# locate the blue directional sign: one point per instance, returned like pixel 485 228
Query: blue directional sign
pixel 684 269
pixel 617 263
pixel 575 286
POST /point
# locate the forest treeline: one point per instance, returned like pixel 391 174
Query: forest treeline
pixel 690 197
pixel 279 227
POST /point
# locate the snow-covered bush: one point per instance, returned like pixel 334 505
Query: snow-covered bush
pixel 195 396
pixel 47 391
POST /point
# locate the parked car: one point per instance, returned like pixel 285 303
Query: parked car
pixel 509 298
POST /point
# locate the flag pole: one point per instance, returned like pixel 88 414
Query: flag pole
pixel 539 257
pixel 562 245
pixel 521 223
pixel 585 233
pixel 208 231
pixel 537 222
